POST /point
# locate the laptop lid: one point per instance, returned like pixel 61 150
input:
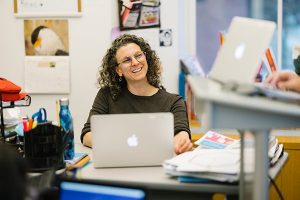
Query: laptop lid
pixel 128 140
pixel 241 54
pixel 77 189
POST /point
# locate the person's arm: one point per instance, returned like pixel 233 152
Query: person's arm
pixel 100 106
pixel 182 142
pixel 286 80
pixel 182 137
pixel 87 139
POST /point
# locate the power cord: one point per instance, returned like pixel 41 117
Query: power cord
pixel 276 188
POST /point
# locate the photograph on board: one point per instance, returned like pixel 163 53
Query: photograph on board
pixel 165 37
pixel 137 14
pixel 46 37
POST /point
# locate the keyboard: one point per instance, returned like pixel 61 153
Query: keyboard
pixel 273 92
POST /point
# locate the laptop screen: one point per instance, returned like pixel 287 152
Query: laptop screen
pixel 91 191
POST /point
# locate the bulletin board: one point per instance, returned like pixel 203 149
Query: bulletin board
pixel 47 8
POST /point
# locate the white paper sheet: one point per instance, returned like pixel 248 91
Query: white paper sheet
pixel 47 74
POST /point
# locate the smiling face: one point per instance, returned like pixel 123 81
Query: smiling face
pixel 132 63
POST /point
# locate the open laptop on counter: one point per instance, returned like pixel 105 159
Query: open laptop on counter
pixel 240 56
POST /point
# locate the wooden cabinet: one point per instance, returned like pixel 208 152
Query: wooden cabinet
pixel 288 179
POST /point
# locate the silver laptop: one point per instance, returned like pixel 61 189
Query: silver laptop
pixel 240 57
pixel 130 140
pixel 241 54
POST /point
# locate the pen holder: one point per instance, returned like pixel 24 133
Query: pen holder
pixel 43 147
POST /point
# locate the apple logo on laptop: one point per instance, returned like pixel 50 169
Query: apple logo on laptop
pixel 239 51
pixel 132 140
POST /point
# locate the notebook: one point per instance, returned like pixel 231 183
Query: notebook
pixel 130 140
pixel 77 189
pixel 240 57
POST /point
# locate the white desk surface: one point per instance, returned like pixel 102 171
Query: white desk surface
pixel 155 177
pixel 151 177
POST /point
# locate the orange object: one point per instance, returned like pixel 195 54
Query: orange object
pixel 80 163
pixel 10 91
pixel 30 122
pixel 221 37
pixel 271 61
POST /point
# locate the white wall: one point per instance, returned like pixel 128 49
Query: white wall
pixel 89 37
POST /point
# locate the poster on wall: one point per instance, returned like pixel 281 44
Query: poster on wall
pixel 47 56
pixel 137 14
pixel 47 8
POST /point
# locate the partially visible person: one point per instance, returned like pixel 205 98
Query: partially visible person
pixel 286 80
pixel 13 179
pixel 130 80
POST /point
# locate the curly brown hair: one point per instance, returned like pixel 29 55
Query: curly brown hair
pixel 108 77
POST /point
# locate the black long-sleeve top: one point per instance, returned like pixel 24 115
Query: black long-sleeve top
pixel 127 102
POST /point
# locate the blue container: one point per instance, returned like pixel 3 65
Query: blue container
pixel 68 132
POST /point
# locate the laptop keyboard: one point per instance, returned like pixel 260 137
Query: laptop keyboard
pixel 262 89
pixel 273 92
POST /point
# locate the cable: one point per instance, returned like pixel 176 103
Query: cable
pixel 276 188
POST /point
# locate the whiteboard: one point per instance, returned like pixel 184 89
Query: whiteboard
pixel 47 8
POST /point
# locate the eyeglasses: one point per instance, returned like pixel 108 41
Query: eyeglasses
pixel 127 61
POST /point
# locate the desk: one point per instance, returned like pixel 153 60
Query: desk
pixel 154 179
pixel 161 185
pixel 225 109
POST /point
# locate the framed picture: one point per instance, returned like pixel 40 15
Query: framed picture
pixel 46 8
pixel 137 14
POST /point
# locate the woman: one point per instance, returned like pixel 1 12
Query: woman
pixel 130 83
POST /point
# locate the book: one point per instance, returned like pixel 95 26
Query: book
pixel 273 146
pixel 214 140
pixel 277 155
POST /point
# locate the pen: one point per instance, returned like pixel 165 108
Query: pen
pixel 34 124
pixel 25 127
pixel 29 122
pixel 80 163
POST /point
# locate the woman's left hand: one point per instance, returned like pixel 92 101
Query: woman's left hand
pixel 182 142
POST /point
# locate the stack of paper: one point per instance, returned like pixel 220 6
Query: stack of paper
pixel 214 164
pixel 217 158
